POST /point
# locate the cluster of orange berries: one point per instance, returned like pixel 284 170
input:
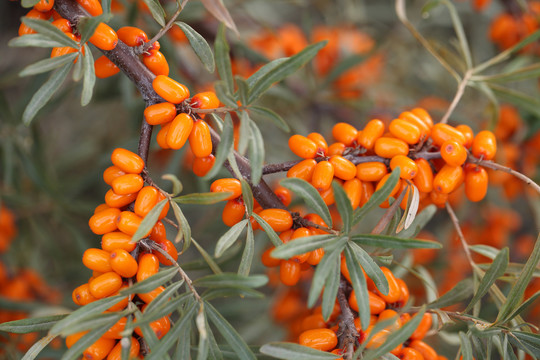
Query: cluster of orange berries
pixel 508 29
pixel 432 157
pixel 120 261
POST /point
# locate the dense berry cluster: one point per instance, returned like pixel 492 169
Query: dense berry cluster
pixel 509 28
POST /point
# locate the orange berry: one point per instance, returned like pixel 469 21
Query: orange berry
pixel 424 177
pixel 146 199
pixel 123 263
pixel 205 100
pixel 93 7
pixel 408 168
pixel 161 137
pixel 44 5
pixel 409 117
pixel 105 284
pixel 343 168
pixel 427 351
pixel 438 198
pixel 166 208
pixel 200 139
pixel 314 321
pixel 116 352
pixel 64 50
pixel 105 68
pixel 159 232
pixel 127 184
pixel 170 90
pixel 320 339
pixel 160 327
pixel 111 173
pixel 170 249
pixel 367 190
pixel 101 207
pixel 99 350
pixel 284 195
pixel 320 141
pixel 353 189
pixel 315 256
pixel 132 36
pixel 303 147
pixel 278 219
pixel 444 132
pixel 390 314
pixel 468 133
pixel 117 240
pixel 161 113
pixel 373 130
pixel 405 131
pixel 303 170
pixel 179 131
pixel 383 181
pixel 289 272
pixel 115 330
pixel 104 37
pixel 104 221
pixel 336 149
pixel 151 295
pixel 423 327
pixel 114 200
pixel 453 153
pixel 376 303
pixel 299 233
pixel 73 338
pixel 476 182
pixel 387 147
pixel 395 292
pixel 34 14
pixel 344 133
pixel 148 266
pixel 227 185
pixel 328 196
pixel 267 259
pixel 82 296
pixel 371 171
pixel 484 145
pixel 156 63
pixel 97 260
pixel 405 294
pixel 323 174
pixel 233 212
pixel 448 179
pixel 128 222
pixel 423 115
pixel 410 354
pixel 201 166
pixel 376 339
pixel 127 161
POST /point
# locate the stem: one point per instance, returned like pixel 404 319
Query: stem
pixel 348 335
pixel 163 30
pixel 455 221
pixel 388 215
pixel 459 94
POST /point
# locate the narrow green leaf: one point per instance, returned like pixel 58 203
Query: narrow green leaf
pixel 224 148
pixel 151 283
pixel 256 153
pixel 166 295
pixel 202 198
pixel 359 284
pixel 29 3
pixel 378 197
pixel 34 40
pixel 185 230
pixel 323 269
pixel 524 73
pixel 458 293
pixel 223 60
pixel 284 69
pixel 372 270
pixel 211 263
pixel 176 183
pixel 524 305
pixel 274 238
pixel 310 195
pixel 25 326
pixel 229 333
pixel 466 347
pixel 485 250
pixel 157 11
pixel 343 205
pixel 106 5
pixel 89 76
pixel 264 70
pixel 292 351
pixel 247 196
pixel 231 280
pixel 243 89
pixel 48 64
pixel 242 292
pixel 528 341
pixel 331 286
pixel 271 115
pixel 229 238
pixel 184 342
pixel 220 12
pixel 96 321
pixel 495 271
pixel 247 255
pixel 244 133
pixel 344 65
pixel 302 245
pixel 34 351
pixel 392 242
pixel 45 93
pixel 45 28
pixel 518 98
pixel 88 25
pixel 149 221
pixel 224 95
pixel 199 46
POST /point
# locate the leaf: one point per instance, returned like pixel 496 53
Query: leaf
pixel 244 133
pixel 243 89
pixel 242 292
pixel 96 321
pixel 292 351
pixel 264 70
pixel 220 12
pixel 310 195
pixel 412 208
pixel 229 333
pixel 48 64
pixel 211 263
pixel 372 270
pixel 247 255
pixel 344 65
pixel 247 196
pixel 392 242
pixel 224 95
pixel 34 351
pixel 149 221
pixel 88 25
pixel 302 245
pixel 331 286
pixel 495 271
pixel 285 69
pixel 271 115
pixel 185 229
pixel 176 183
pixel 25 326
pixel 166 295
pixel 461 291
pixel 199 46
pixel 45 93
pixel 378 197
pixel 202 198
pixel 231 280
pixel 528 340
pixel 29 3
pixel 151 283
pixel 223 60
pixel 45 28
pixel 157 11
pixel 466 347
pixel 524 305
pixel 184 342
pixel 274 238
pixel 89 76
pixel 34 40
pixel 323 269
pixel 516 293
pixel 224 148
pixel 343 205
pixel 518 98
pixel 485 250
pixel 229 238
pixel 200 321
pixel 524 73
pixel 256 153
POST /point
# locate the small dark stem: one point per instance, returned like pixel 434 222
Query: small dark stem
pixel 348 335
pixel 388 215
pixel 163 30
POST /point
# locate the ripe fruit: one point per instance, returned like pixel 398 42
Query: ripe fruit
pixel 278 219
pixel 127 161
pixel 323 174
pixel 371 171
pixel 200 139
pixel 484 145
pixel 227 185
pixel 104 221
pixel 201 166
pixel 289 272
pixel 448 179
pixel 320 339
pixel 105 284
pixel 408 168
pixel 453 153
pixel 303 147
pixel 104 37
pixel 148 266
pixel 92 6
pixel 344 133
pixel 343 168
pixel 320 141
pixel 205 100
pixel 373 130
pixel 161 113
pixel 233 212
pixel 303 170
pixel 387 147
pixel 123 263
pixel 444 132
pixel 169 89
pixel 405 131
pixel 105 68
pixel 117 240
pixel 156 63
pixel 394 292
pixel 127 184
pixel 179 131
pixel 146 199
pixel 476 182
pixel 132 36
pixel 97 260
pixel 424 178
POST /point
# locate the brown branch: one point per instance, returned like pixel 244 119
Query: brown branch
pixel 348 335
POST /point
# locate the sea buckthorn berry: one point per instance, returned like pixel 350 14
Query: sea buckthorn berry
pixel 376 339
pixel 344 133
pixel 100 349
pixel 283 194
pixel 423 327
pixel 395 292
pixel 371 171
pixel 200 140
pixel 123 263
pixel 409 117
pixel 104 37
pixel 476 182
pixel 82 296
pixel 128 222
pixel 448 179
pixel 104 221
pixel 278 219
pixel 289 272
pixel 132 36
pixel 105 68
pixel 353 189
pixel 92 6
pixel 438 198
pixel 34 14
pixel 453 153
pixel 322 146
pixel 313 321
pixel 205 100
pixel 201 166
pixel 299 233
pixel 159 232
pixel 267 259
pixel 170 249
pixel 367 191
pixel 424 177
pixel 73 338
pixel 114 200
pixel 179 131
pixel 444 132
pixel 227 185
pixel 161 137
pixel 303 147
pixel 166 208
pixel 423 115
pixel 127 184
pixel 44 5
pixel 376 303
pixel 105 285
pixel 427 351
pixel 303 170
pixel 468 133
pixel 146 199
pixel 111 173
pixel 169 89
pixel 405 294
pixel 117 240
pixel 408 168
pixel 101 207
pixel 320 339
pixel 328 196
pixel 484 145
pixel 390 314
pixel 97 260
pixel 160 327
pixel 115 330
pixel 405 131
pixel 323 174
pixel 336 149
pixel 148 266
pixel 116 352
pixel 151 295
pixel 387 147
pixel 127 161
pixel 64 50
pixel 381 183
pixel 343 168
pixel 156 63
pixel 315 256
pixel 373 130
pixel 410 354
pixel 233 212
pixel 161 113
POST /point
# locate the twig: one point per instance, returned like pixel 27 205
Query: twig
pixel 144 48
pixel 388 215
pixel 459 94
pixel 455 221
pixel 348 335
